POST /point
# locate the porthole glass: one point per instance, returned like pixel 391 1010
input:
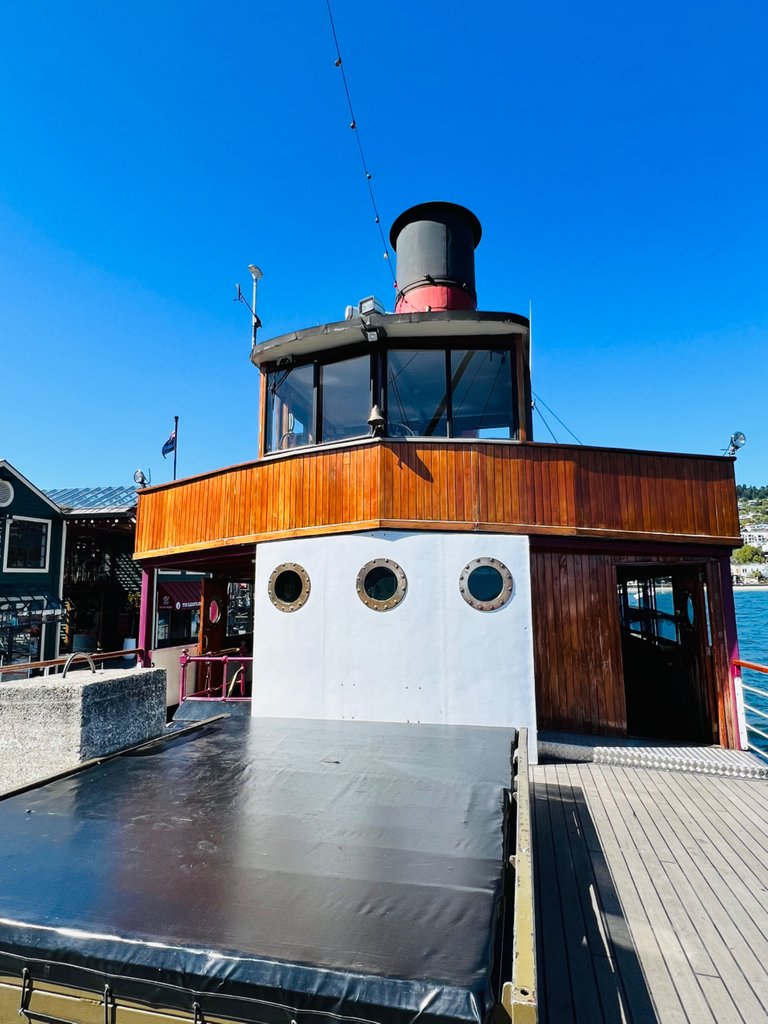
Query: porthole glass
pixel 486 584
pixel 6 493
pixel 381 584
pixel 289 587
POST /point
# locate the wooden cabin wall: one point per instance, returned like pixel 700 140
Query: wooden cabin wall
pixel 577 639
pixel 510 488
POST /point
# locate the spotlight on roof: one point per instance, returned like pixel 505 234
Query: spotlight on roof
pixel 738 440
pixel 139 478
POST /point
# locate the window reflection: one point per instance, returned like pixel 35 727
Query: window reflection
pixel 346 398
pixel 416 393
pixel 481 387
pixel 290 401
pixel 440 392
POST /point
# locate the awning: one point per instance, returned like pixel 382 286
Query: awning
pixel 29 602
pixel 178 595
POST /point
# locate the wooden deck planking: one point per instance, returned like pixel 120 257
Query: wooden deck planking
pixel 652 896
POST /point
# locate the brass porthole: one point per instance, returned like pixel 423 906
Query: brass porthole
pixel 381 584
pixel 289 587
pixel 486 584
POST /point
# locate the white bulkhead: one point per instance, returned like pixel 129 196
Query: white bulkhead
pixel 432 657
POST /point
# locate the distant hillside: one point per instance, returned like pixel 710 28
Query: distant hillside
pixel 753 505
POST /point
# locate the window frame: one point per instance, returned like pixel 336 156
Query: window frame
pixel 401 585
pixel 504 596
pixel 9 501
pixel 319 416
pixel 306 587
pixel 7 544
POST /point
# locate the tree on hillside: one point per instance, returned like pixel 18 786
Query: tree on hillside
pixel 749 553
pixel 749 492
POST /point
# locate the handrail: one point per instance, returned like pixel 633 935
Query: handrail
pixel 25 666
pixel 750 664
pixel 760 691
pixel 221 691
pixel 518 996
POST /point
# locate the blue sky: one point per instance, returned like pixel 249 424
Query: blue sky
pixel 615 154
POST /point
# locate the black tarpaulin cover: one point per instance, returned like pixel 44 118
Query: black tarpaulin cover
pixel 273 870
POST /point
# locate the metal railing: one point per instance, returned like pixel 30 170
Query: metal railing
pixel 63 663
pixel 222 689
pixel 519 996
pixel 761 713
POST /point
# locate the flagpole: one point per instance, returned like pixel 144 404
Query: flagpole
pixel 176 445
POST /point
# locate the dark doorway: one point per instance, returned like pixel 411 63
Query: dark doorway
pixel 667 652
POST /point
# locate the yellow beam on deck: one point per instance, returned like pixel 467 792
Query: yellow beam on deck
pixel 518 996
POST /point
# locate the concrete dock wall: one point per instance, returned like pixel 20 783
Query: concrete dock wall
pixel 49 725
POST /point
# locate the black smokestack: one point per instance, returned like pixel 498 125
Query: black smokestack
pixel 435 245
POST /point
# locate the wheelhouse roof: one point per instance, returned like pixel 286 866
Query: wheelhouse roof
pixel 388 326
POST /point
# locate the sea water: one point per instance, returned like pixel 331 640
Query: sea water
pixel 752 624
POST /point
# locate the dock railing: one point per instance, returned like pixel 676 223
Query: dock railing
pixel 519 997
pixel 53 665
pixel 753 690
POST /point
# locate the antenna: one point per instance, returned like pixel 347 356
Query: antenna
pixel 257 275
pixel 530 340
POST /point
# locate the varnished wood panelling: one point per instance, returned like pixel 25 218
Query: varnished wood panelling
pixel 577 640
pixel 515 488
pixel 579 678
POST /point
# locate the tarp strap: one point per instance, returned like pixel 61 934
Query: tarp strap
pixel 46 1018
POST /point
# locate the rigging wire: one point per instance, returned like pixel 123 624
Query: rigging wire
pixel 542 402
pixel 538 410
pixel 353 125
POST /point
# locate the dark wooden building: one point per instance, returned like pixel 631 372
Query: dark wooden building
pixel 102 583
pixel 31 547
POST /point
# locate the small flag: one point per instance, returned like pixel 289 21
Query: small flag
pixel 170 444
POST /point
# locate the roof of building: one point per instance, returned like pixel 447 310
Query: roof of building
pixel 7 468
pixel 98 500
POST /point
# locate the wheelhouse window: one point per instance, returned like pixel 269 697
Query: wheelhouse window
pixel 27 545
pixel 416 393
pixel 424 392
pixel 481 392
pixel 345 389
pixel 290 408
